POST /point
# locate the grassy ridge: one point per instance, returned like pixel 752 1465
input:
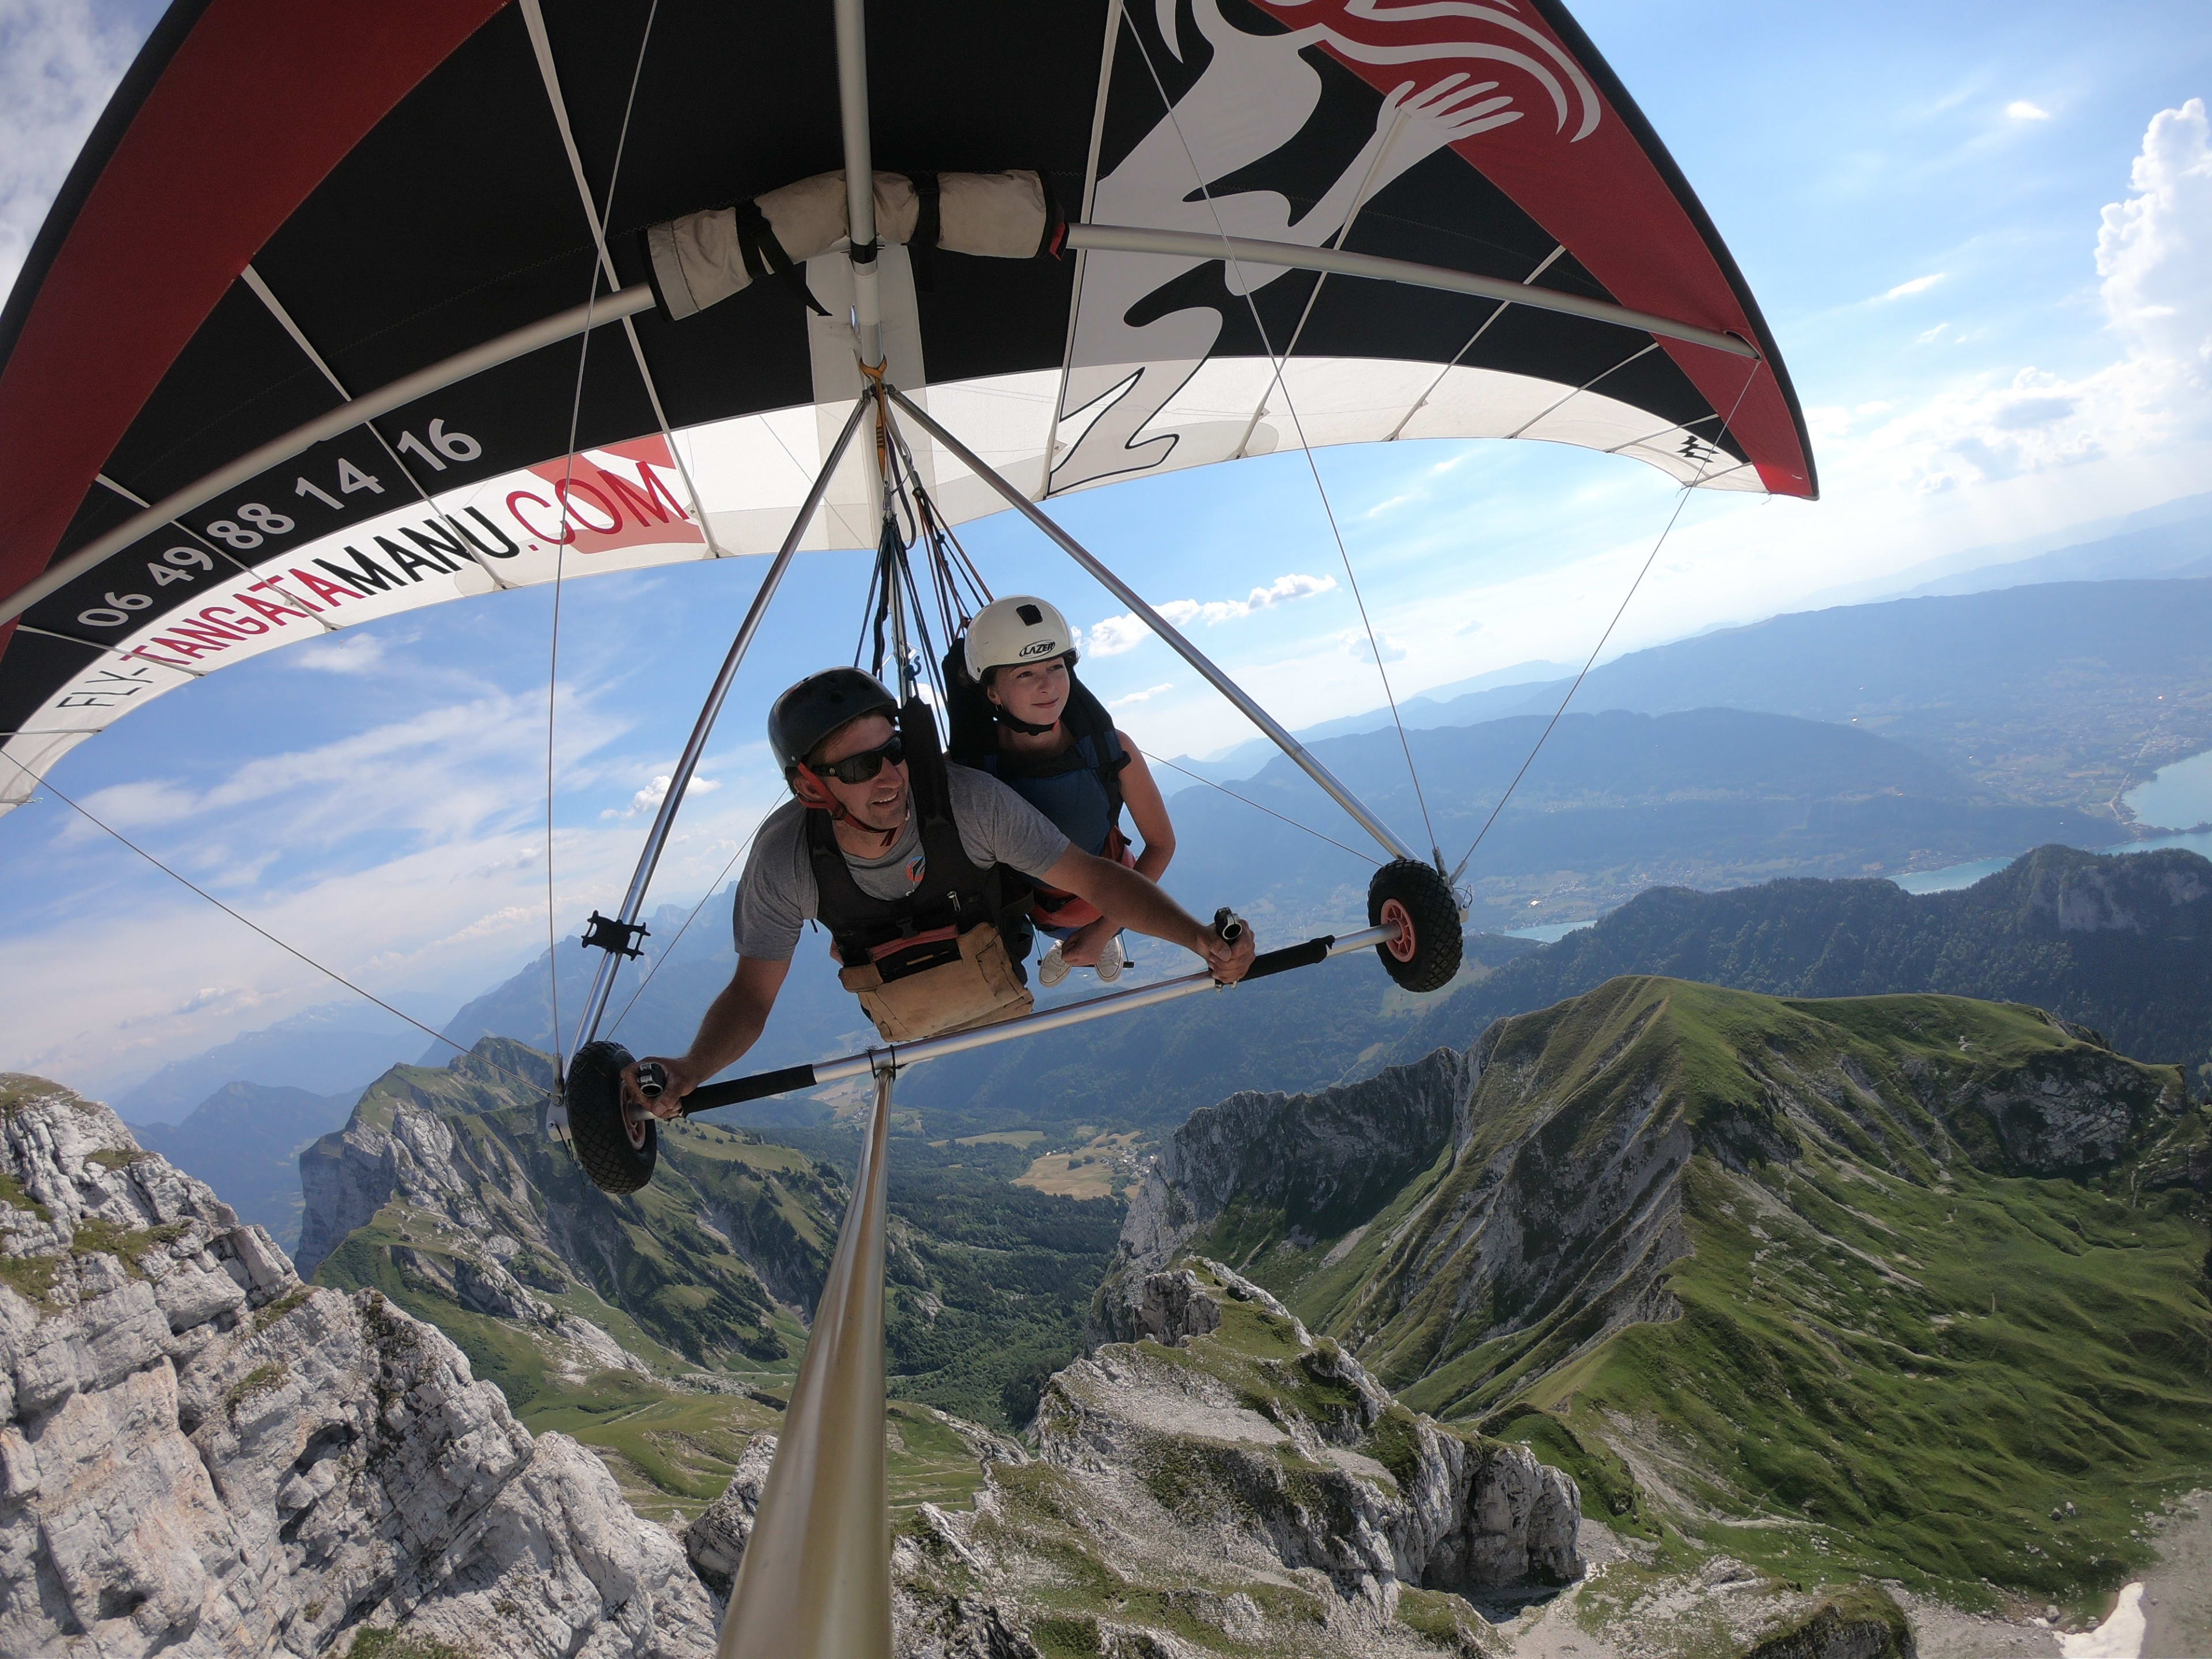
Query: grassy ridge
pixel 1815 1281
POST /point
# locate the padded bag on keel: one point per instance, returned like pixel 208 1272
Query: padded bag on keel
pixel 703 257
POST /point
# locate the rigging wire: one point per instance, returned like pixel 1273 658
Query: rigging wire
pixel 668 951
pixel 85 812
pixel 1681 500
pixel 561 547
pixel 1289 403
pixel 1157 760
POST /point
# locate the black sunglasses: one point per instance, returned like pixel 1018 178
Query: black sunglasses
pixel 858 769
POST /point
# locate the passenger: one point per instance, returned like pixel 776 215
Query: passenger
pixel 1024 717
pixel 899 855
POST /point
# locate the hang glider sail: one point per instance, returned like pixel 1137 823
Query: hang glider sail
pixel 301 343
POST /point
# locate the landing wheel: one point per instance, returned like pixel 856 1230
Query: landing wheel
pixel 1414 898
pixel 616 1144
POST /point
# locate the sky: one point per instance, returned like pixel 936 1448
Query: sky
pixel 1981 233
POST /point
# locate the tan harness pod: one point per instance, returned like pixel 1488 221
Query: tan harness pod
pixel 978 988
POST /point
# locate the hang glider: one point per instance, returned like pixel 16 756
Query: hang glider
pixel 349 309
pixel 301 343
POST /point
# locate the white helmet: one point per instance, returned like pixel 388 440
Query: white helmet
pixel 1016 629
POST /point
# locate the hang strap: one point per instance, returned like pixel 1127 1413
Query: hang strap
pixel 929 227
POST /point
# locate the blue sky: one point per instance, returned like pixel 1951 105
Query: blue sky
pixel 1981 233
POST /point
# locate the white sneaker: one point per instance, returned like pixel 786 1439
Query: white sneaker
pixel 1111 960
pixel 1052 968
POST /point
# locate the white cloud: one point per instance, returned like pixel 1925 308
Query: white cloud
pixel 1117 635
pixel 1929 337
pixel 649 798
pixel 1364 649
pixel 1213 612
pixel 59 63
pixel 499 922
pixel 349 654
pixel 1113 636
pixel 1917 285
pixel 2152 252
pixel 2021 110
pixel 1144 695
pixel 2155 248
pixel 1393 501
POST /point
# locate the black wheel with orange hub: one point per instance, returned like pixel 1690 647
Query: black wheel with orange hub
pixel 616 1144
pixel 1415 898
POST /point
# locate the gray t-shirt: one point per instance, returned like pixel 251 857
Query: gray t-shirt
pixel 777 895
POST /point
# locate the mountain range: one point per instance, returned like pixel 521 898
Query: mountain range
pixel 248 1138
pixel 2060 693
pixel 337 1047
pixel 1616 802
pixel 2122 944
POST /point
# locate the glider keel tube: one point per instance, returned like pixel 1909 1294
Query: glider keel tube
pixel 1160 625
pixel 1196 244
pixel 860 176
pixel 816 1580
pixel 761 1084
pixel 663 819
pixel 564 326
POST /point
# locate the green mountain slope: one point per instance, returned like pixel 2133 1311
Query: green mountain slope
pixel 2122 943
pixel 441 1192
pixel 1870 1286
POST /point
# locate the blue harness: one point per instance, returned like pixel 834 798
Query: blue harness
pixel 1069 788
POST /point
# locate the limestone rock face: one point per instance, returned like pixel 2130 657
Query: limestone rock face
pixel 403 1146
pixel 1445 1513
pixel 716 1542
pixel 1167 1307
pixel 1245 1478
pixel 201 1456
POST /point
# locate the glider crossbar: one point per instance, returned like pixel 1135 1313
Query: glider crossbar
pixel 656 838
pixel 761 1084
pixel 1182 648
pixel 1198 245
pixel 520 343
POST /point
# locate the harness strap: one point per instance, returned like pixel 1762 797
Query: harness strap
pixel 762 254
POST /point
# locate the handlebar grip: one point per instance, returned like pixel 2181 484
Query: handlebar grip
pixel 758 1086
pixel 1307 955
pixel 1228 926
pixel 652 1079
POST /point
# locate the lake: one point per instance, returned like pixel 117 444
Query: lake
pixel 1966 875
pixel 2178 797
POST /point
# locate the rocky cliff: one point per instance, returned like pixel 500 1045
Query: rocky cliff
pixel 200 1454
pixel 1227 1481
